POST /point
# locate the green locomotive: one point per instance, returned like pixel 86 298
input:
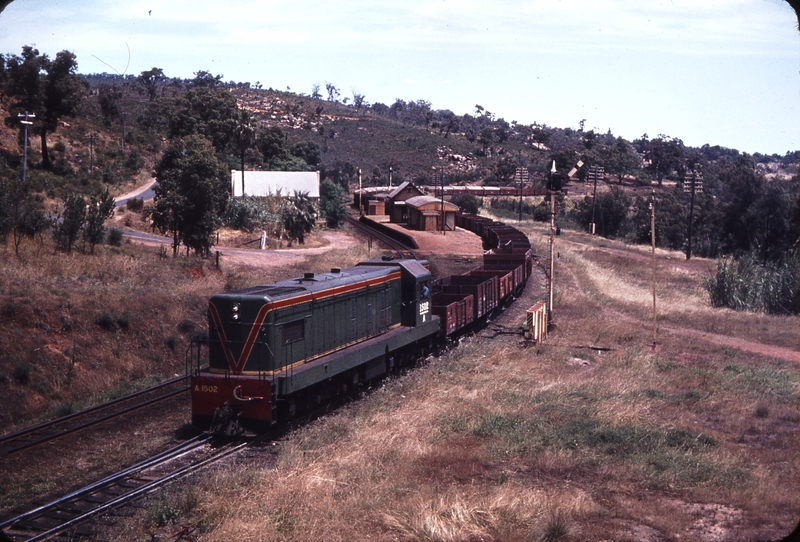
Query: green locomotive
pixel 278 349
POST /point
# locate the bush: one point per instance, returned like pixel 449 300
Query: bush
pixel 135 204
pixel 114 237
pixel 467 203
pixel 745 284
pixel 248 214
pixel 106 321
pixel 22 372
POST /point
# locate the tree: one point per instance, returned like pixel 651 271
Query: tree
pixel 332 203
pixel 665 155
pixel 618 159
pixel 333 92
pixel 150 80
pixel 315 91
pixel 467 203
pixel 203 78
pixel 191 194
pixel 358 99
pixel 208 111
pixel 486 138
pixel 109 99
pixel 271 144
pixel 50 89
pixel 69 223
pixel 101 208
pixel 308 151
pixel 20 213
pixel 298 217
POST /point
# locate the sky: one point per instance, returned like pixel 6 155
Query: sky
pixel 722 73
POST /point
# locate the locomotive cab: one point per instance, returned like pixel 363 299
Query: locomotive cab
pixel 415 304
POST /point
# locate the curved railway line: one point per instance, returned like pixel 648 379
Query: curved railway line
pixel 51 430
pixel 402 251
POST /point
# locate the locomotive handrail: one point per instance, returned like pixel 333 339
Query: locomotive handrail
pixel 236 395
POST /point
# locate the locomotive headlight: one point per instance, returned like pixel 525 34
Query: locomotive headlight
pixel 235 316
pixel 235 310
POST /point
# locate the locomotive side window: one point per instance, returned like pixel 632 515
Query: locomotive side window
pixel 294 331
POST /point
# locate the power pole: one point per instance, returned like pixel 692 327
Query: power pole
pixel 653 238
pixel 552 244
pixel 390 176
pixel 443 215
pixel 360 194
pixel 595 172
pixel 124 126
pixel 696 185
pixel 521 176
pixel 25 123
pixel 91 152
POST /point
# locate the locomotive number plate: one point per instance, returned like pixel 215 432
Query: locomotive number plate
pixel 205 389
pixel 424 307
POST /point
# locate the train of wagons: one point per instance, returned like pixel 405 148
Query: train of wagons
pixel 277 350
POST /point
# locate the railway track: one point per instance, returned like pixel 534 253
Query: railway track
pixel 45 432
pixel 68 515
pixel 399 248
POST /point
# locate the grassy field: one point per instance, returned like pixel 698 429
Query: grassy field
pixel 595 434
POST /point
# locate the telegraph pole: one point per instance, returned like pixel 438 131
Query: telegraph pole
pixel 594 173
pixel 91 152
pixel 521 176
pixel 653 238
pixel 25 123
pixel 552 243
pixel 360 194
pixel 696 181
pixel 443 215
pixel 124 126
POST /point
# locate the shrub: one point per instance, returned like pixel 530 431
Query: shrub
pixel 746 284
pixel 124 320
pixel 248 214
pixel 106 321
pixel 186 326
pixel 135 204
pixel 467 203
pixel 114 237
pixel 22 372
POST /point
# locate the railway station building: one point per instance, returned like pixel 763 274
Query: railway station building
pixel 425 213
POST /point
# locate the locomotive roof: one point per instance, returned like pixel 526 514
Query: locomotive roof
pixel 316 282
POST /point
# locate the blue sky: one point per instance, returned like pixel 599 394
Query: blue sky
pixel 723 73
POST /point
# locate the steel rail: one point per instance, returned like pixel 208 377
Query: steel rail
pixel 399 248
pixel 31 429
pixel 117 481
pixel 52 423
pixel 188 445
pixel 136 493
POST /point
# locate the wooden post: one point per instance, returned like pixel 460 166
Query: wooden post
pixel 653 238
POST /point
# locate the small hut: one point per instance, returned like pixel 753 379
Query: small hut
pixel 425 213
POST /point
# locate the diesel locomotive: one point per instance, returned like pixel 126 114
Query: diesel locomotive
pixel 277 350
